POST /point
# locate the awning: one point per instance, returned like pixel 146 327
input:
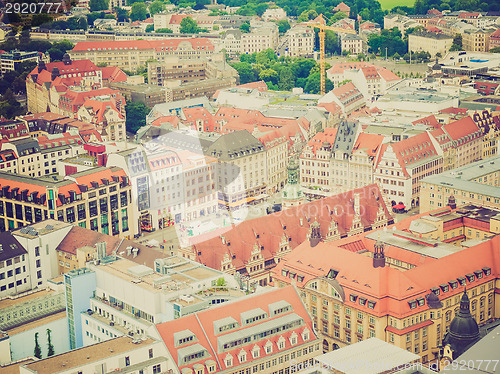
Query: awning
pixel 399 206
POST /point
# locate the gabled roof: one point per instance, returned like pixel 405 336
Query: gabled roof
pixel 10 247
pixel 428 121
pixel 453 110
pixel 317 141
pixel 79 237
pixel 113 74
pixel 463 131
pixel 201 325
pixel 369 142
pixel 97 109
pixel 292 225
pixel 347 92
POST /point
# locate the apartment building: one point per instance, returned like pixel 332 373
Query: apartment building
pixel 430 42
pixel 122 305
pixel 9 61
pixel 477 40
pixel 259 39
pixel 25 200
pixel 347 285
pixel 243 171
pixel 476 183
pixel 254 247
pixel 15 273
pixel 300 41
pixel 401 165
pixel 133 54
pixel 103 113
pixel 276 146
pixel 261 333
pixel 119 354
pixel 348 97
pixel 495 39
pixel 371 80
pixel 273 14
pixel 461 142
pixel 490 126
pixel 351 43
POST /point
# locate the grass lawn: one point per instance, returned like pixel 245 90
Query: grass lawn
pixel 389 4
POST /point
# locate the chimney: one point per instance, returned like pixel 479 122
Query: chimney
pixel 452 203
pixel 315 235
pixel 55 73
pixel 378 256
pixel 356 204
pixel 41 66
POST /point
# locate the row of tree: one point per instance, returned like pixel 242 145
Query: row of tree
pixel 283 73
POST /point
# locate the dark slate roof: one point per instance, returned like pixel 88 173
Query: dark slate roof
pixel 22 145
pixel 10 246
pixel 184 141
pixel 235 145
pixel 346 137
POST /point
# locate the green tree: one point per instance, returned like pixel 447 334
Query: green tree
pixel 37 351
pixel 269 75
pixel 245 27
pixel 245 71
pixel 150 28
pixel 165 30
pixel 457 43
pixel 50 351
pixel 40 19
pixel 286 79
pixel 136 116
pixel 96 5
pixel 189 26
pixel 156 7
pixel 307 15
pixel 313 84
pixel 283 26
pixel 122 15
pixel 139 12
pixel 495 50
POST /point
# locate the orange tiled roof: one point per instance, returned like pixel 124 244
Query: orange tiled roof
pixel 370 142
pixel 428 121
pixel 158 45
pixel 462 131
pixel 201 324
pixel 326 136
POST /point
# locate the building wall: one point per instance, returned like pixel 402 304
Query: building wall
pixel 23 344
pixel 300 42
pixel 419 43
pixel 476 41
pixel 14 276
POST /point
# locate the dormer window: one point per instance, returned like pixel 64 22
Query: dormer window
pixel 256 351
pixel 242 357
pixel 228 360
pixel 453 284
pixel 435 290
pixel 353 297
pixel 421 301
pixel 305 335
pixel 486 270
pixel 371 304
pixel 362 301
pixel 461 280
pixel 471 277
pixel 444 287
pixel 412 304
pixel 479 274
pixel 268 347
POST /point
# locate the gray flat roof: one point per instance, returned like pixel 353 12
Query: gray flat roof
pixel 370 356
pixel 435 249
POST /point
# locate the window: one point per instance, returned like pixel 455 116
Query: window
pixel 157 369
pixel 127 361
pixel 150 352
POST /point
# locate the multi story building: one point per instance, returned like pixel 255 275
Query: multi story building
pixel 119 354
pixel 148 94
pixel 351 43
pixel 243 179
pixel 273 14
pixel 261 333
pixel 123 54
pixel 495 39
pixel 371 80
pixel 15 273
pixel 103 113
pixel 277 155
pixel 477 40
pixel 124 305
pixel 254 247
pixel 74 199
pixel 300 41
pixel 9 61
pixel 349 286
pixel 348 97
pixel 259 39
pixel 490 126
pixel 10 130
pixel 401 165
pixel 476 183
pixel 430 42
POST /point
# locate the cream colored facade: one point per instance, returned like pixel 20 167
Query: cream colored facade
pixel 113 122
pixel 259 40
pixel 277 156
pixel 477 183
pixel 132 58
pixel 431 43
pixel 300 41
pixel 476 40
pixel 355 172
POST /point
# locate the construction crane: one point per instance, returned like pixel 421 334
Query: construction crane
pixel 319 22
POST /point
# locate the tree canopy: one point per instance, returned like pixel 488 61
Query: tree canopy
pixel 156 7
pixel 139 12
pixel 136 116
pixel 96 5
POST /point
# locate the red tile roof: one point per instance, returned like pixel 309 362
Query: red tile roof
pixel 428 121
pixel 453 110
pixel 158 45
pixel 462 131
pixel 98 109
pixel 113 74
pixel 79 237
pixel 386 74
pixel 201 324
pixel 342 7
pixel 293 224
pixel 346 92
pixel 317 141
pixel 173 120
pixel 370 142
